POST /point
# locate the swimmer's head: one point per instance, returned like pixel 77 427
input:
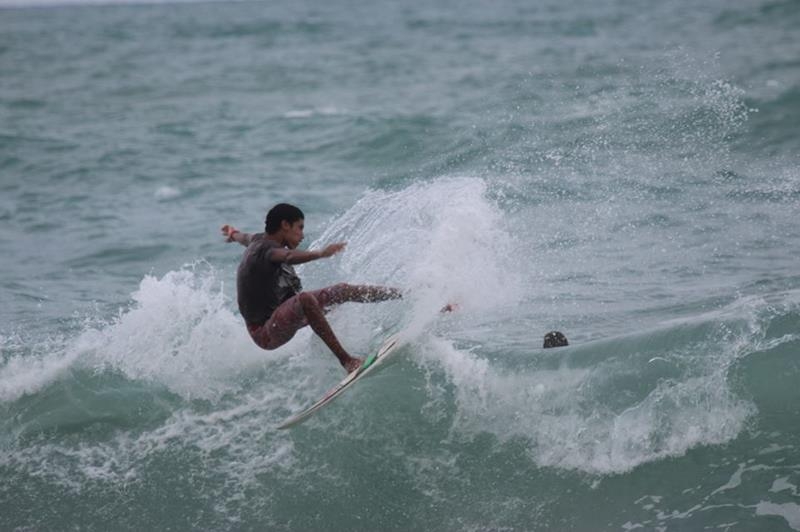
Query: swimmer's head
pixel 555 339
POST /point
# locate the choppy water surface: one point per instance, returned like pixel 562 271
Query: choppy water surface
pixel 625 174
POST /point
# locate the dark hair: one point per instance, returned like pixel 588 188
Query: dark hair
pixel 555 339
pixel 280 213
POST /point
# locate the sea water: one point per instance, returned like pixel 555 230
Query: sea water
pixel 624 173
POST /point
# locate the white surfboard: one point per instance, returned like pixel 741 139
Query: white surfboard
pixel 370 365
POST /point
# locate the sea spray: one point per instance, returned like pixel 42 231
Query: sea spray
pixel 179 332
pixel 442 241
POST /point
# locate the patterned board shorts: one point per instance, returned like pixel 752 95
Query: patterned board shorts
pixel 289 318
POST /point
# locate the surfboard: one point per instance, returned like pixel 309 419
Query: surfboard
pixel 369 366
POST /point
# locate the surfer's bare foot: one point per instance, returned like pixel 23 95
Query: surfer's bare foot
pixel 353 364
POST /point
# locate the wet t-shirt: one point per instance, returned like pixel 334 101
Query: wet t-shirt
pixel 262 285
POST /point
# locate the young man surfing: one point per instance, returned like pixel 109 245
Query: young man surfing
pixel 269 293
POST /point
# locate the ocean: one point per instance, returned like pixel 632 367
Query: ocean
pixel 625 173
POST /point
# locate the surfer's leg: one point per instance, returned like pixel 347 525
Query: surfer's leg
pixel 313 311
pixel 281 326
pixel 343 292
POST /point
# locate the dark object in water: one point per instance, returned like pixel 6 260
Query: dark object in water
pixel 555 339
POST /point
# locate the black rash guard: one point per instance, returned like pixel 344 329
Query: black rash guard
pixel 262 285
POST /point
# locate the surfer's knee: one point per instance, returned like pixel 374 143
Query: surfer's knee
pixel 340 292
pixel 307 299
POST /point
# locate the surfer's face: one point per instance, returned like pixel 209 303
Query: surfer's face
pixel 294 233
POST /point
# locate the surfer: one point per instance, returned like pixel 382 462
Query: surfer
pixel 270 296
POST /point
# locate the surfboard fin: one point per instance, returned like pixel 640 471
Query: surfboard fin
pixel 367 362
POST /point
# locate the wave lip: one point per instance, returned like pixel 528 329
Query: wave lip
pixel 172 335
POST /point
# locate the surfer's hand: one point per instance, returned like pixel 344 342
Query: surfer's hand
pixel 332 249
pixel 228 231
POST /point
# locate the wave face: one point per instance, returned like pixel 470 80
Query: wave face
pixel 627 178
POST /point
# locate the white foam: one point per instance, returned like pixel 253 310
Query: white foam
pixel 558 412
pixel 22 375
pixel 781 484
pixel 789 511
pixel 166 193
pixel 314 111
pixel 179 332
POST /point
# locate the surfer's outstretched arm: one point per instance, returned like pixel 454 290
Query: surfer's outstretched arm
pixel 296 256
pixel 232 234
pixel 290 256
